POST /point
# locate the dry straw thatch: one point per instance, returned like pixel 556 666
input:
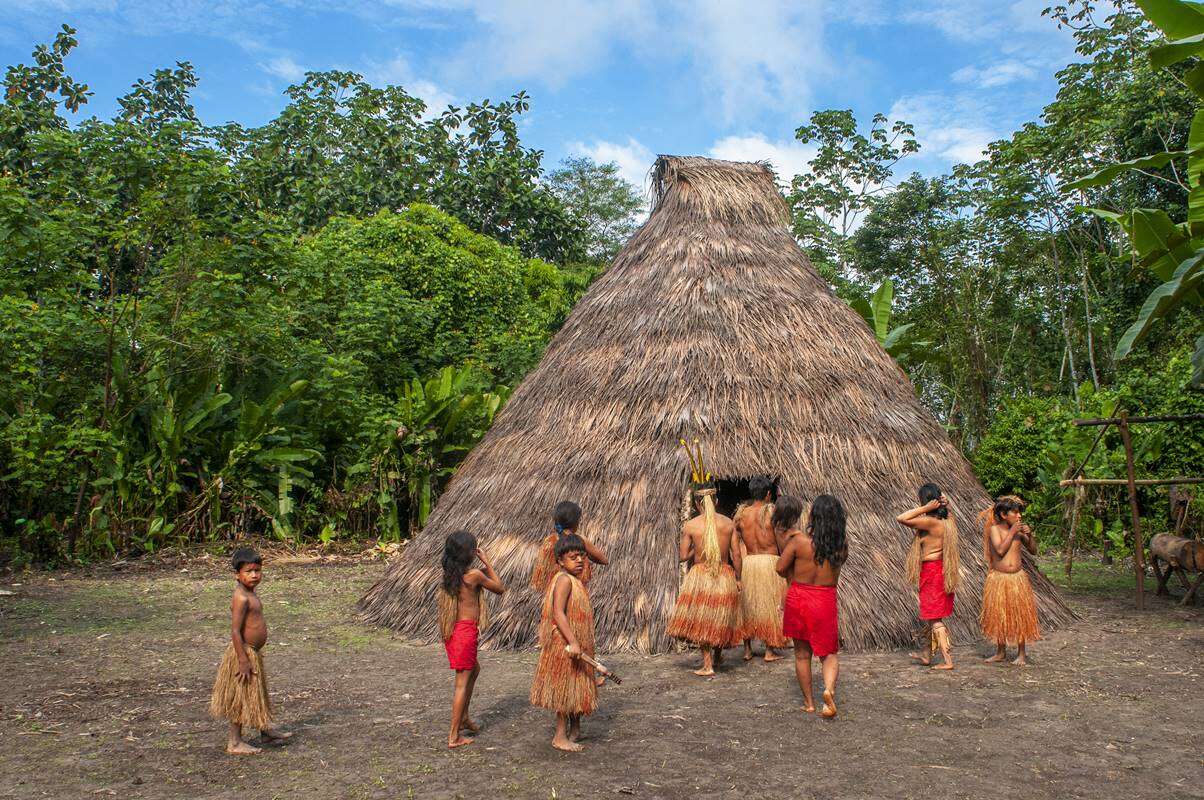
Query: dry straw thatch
pixel 710 323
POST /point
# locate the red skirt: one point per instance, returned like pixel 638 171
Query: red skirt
pixel 810 617
pixel 935 603
pixel 462 646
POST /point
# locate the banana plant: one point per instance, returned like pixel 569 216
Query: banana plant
pixel 877 312
pixel 1174 252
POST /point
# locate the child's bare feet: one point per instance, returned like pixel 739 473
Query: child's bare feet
pixel 566 745
pixel 922 659
pixel 770 655
pixel 704 672
pixel 273 735
pixel 242 749
pixel 808 709
pixel 829 709
pixel 1020 661
pixel 1000 654
pixel 470 726
pixel 944 665
pixel 459 741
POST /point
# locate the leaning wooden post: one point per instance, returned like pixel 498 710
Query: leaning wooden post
pixel 1138 544
pixel 1080 492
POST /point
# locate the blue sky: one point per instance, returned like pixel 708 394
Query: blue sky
pixel 617 80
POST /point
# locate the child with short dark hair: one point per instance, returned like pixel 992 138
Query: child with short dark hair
pixel 240 693
pixel 564 682
pixel 1009 608
pixel 566 519
pixel 462 616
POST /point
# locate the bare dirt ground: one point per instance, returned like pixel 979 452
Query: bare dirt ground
pixel 106 676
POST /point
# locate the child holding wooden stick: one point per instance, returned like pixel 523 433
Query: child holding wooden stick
pixel 564 681
pixel 462 616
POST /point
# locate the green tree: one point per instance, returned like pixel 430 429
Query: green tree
pixel 607 205
pixel 848 171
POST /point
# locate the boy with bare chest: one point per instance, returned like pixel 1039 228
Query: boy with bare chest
pixel 762 589
pixel 1009 607
pixel 240 693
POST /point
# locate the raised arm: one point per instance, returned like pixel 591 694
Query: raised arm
pixel 917 518
pixel 594 553
pixel 560 604
pixel 489 578
pixel 1001 541
pixel 786 559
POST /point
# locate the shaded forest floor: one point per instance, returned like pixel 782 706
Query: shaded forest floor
pixel 107 674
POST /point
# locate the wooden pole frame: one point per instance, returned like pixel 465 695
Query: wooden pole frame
pixel 1125 481
pixel 1137 420
pixel 1138 542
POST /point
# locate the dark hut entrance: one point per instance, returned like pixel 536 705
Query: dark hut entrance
pixel 731 492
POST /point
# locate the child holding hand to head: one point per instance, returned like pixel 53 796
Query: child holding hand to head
pixel 462 615
pixel 564 682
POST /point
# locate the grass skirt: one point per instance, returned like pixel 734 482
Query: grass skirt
pixel 1009 609
pixel 708 608
pixel 563 684
pixel 761 599
pixel 244 702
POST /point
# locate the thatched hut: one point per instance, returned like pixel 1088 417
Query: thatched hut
pixel 711 323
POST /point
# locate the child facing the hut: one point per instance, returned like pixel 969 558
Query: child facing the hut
pixel 934 568
pixel 564 682
pixel 240 693
pixel 762 589
pixel 812 560
pixel 1009 608
pixel 462 616
pixel 566 518
pixel 707 613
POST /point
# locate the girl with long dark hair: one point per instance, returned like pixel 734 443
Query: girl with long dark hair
pixel 812 560
pixel 934 568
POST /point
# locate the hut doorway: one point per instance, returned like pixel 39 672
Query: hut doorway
pixel 731 492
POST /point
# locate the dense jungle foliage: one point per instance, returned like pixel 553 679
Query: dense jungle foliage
pixel 298 330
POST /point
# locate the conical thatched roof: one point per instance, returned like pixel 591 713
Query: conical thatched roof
pixel 710 323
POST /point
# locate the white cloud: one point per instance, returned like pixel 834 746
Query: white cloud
pixel 284 67
pixel 951 129
pixel 789 158
pixel 750 56
pixel 1000 73
pixel 633 159
pixel 398 72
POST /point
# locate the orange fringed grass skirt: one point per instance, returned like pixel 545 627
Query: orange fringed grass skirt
pixel 708 608
pixel 1009 608
pixel 563 684
pixel 761 599
pixel 235 700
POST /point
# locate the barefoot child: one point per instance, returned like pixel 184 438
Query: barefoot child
pixel 1009 609
pixel 462 615
pixel 934 568
pixel 707 613
pixel 762 589
pixel 240 693
pixel 566 518
pixel 564 682
pixel 812 560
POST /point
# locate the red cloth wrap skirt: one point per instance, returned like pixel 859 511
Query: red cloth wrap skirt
pixel 462 646
pixel 935 603
pixel 810 616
